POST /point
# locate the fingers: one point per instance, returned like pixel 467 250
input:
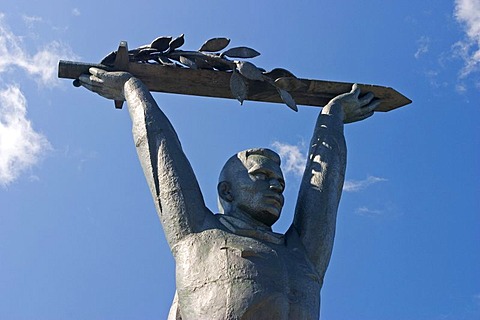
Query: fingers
pixel 94 84
pixel 366 99
pixel 97 72
pixel 109 76
pixel 364 112
pixel 355 91
pixel 372 106
pixel 88 86
pixel 85 78
pixel 91 80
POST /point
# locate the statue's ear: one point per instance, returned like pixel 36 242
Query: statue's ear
pixel 224 191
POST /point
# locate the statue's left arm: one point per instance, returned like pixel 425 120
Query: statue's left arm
pixel 322 183
pixel 171 179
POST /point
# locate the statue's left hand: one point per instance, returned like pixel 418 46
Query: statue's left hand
pixel 352 107
pixel 109 85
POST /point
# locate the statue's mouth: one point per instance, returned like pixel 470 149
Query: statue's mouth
pixel 275 199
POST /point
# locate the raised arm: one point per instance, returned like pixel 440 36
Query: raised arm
pixel 322 183
pixel 173 184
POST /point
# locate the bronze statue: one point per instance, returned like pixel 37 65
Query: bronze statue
pixel 232 265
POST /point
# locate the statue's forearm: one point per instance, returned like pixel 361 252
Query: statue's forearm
pixel 174 188
pixel 321 188
pixel 141 107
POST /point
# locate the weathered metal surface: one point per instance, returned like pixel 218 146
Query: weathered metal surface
pixel 211 83
pixel 232 265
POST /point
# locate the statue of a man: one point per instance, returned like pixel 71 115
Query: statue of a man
pixel 232 265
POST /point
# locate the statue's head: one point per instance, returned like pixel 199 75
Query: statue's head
pixel 251 183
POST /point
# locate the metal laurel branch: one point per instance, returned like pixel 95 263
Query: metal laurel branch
pixel 165 51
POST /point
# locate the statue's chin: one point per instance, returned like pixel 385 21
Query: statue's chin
pixel 269 217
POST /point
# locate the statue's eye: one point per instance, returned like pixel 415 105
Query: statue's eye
pixel 260 176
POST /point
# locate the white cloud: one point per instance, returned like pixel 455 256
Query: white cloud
pixel 76 12
pixel 367 212
pixel 20 145
pixel 30 21
pixel 42 65
pixel 293 159
pixel 467 12
pixel 423 46
pixel 358 185
pixel 460 88
pixel 387 210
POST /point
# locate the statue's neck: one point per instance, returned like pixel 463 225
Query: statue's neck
pixel 246 220
pixel 243 228
pixel 246 226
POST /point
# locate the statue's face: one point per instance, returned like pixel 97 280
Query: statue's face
pixel 257 189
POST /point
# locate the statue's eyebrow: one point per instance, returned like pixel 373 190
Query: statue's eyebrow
pixel 271 173
pixel 257 168
pixel 254 169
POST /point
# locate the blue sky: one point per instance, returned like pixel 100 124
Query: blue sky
pixel 79 236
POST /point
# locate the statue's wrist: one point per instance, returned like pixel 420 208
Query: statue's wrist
pixel 133 85
pixel 334 110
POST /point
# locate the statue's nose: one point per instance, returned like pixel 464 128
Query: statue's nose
pixel 276 185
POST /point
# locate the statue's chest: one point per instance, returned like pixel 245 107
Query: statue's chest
pixel 216 256
pixel 220 273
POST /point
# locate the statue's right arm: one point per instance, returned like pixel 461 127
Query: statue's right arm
pixel 171 179
pixel 321 187
pixel 175 190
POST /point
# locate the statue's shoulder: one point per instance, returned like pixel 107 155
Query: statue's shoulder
pixel 293 240
pixel 208 235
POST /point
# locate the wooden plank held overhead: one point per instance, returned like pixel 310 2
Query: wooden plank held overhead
pixel 212 83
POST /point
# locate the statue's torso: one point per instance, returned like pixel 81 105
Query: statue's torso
pixel 222 275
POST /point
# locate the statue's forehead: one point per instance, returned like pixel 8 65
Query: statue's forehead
pixel 255 162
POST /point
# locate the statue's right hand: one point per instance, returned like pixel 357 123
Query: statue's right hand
pixel 109 85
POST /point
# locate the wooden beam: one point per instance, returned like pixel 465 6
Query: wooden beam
pixel 211 83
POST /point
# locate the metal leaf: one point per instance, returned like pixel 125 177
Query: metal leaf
pixel 161 43
pixel 220 64
pixel 109 59
pixel 137 50
pixel 215 44
pixel 144 54
pixel 241 52
pixel 165 61
pixel 249 70
pixel 279 73
pixel 188 62
pixel 199 59
pixel 203 64
pixel 289 83
pixel 177 42
pixel 288 99
pixel 238 87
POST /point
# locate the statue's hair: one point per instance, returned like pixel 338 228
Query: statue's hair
pixel 241 159
pixel 272 155
pixel 242 156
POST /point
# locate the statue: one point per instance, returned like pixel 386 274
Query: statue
pixel 232 265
